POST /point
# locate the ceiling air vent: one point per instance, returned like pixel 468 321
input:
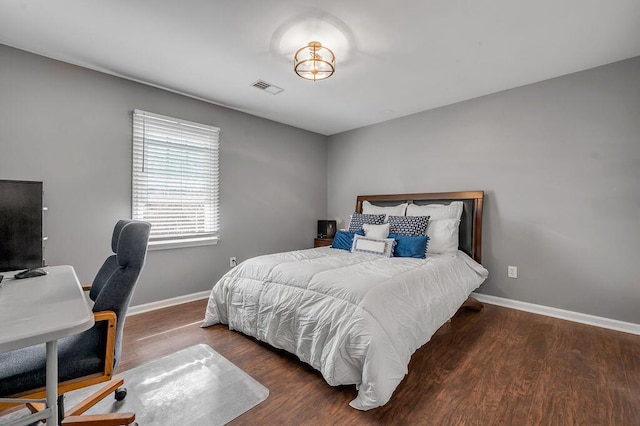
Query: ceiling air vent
pixel 267 87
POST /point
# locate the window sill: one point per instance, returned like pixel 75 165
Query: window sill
pixel 173 244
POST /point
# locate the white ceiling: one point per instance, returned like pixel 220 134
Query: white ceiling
pixel 393 57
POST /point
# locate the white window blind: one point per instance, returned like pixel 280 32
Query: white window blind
pixel 175 178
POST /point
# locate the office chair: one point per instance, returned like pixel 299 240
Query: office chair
pixel 90 357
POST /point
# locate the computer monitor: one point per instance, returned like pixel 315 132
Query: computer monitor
pixel 20 225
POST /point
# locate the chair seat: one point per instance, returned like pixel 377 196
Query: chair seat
pixel 24 369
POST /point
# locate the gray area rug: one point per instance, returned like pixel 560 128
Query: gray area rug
pixel 196 386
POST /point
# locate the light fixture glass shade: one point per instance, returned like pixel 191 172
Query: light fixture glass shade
pixel 314 62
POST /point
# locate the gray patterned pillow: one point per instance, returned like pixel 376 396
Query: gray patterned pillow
pixel 358 219
pixel 408 225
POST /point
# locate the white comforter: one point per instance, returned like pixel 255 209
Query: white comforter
pixel 357 318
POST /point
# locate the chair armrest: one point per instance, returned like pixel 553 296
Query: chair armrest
pixel 111 319
pixel 86 287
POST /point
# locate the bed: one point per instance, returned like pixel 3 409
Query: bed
pixel 355 317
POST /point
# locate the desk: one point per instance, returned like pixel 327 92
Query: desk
pixel 43 309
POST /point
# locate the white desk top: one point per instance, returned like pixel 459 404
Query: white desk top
pixel 42 309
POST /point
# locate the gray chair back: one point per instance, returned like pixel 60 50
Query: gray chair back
pixel 109 265
pixel 116 291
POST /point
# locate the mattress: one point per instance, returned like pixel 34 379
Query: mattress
pixel 357 318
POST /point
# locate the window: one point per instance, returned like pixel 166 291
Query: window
pixel 175 180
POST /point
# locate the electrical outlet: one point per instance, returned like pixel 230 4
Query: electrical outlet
pixel 233 262
pixel 512 271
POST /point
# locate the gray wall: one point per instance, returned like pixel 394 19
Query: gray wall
pixel 559 162
pixel 71 128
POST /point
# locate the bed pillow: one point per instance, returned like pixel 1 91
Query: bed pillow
pixel 410 245
pixel 368 245
pixel 405 225
pixel 376 231
pixel 343 240
pixel 399 210
pixel 443 226
pixel 358 219
pixel 437 211
pixel 443 236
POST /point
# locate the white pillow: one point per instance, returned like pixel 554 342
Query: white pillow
pixel 382 247
pixel 443 236
pixel 368 208
pixel 437 211
pixel 444 223
pixel 378 232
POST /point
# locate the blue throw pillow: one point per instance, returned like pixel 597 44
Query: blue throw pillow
pixel 410 245
pixel 343 240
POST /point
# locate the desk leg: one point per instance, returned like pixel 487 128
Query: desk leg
pixel 52 382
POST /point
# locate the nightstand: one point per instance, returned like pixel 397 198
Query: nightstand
pixel 322 242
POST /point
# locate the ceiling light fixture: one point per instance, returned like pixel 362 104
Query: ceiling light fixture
pixel 314 62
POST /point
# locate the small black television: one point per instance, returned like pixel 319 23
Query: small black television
pixel 20 225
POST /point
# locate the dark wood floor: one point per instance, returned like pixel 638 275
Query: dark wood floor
pixel 498 366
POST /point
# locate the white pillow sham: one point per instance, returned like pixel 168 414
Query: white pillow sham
pixel 383 247
pixel 443 236
pixel 368 208
pixel 376 231
pixel 437 211
pixel 444 222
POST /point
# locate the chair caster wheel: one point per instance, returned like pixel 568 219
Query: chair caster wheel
pixel 120 394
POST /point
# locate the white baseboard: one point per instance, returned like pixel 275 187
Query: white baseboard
pixel 146 307
pixel 627 327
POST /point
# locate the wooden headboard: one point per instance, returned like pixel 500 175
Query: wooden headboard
pixel 470 239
